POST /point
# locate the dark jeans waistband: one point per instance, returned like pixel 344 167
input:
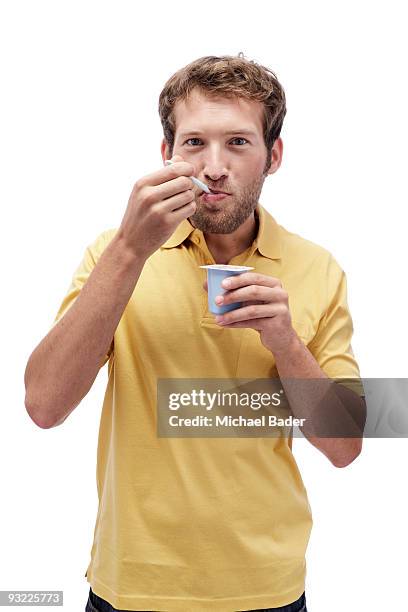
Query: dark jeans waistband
pixel 97 604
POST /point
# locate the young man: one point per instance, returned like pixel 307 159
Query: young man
pixel 217 524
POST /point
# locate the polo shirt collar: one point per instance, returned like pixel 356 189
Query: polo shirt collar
pixel 182 232
pixel 268 240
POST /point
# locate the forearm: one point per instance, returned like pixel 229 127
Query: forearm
pixel 327 406
pixel 62 368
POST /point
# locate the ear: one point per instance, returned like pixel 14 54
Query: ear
pixel 165 151
pixel 276 156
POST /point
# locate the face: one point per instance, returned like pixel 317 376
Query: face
pixel 223 139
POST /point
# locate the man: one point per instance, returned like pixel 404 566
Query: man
pixel 201 523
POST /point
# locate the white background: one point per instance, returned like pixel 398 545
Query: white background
pixel 79 125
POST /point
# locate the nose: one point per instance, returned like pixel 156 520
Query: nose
pixel 215 166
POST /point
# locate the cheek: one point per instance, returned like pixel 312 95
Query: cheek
pixel 249 171
pixel 244 174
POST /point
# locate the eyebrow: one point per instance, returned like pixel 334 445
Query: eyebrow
pixel 231 132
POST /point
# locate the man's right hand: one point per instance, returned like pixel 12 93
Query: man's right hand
pixel 157 205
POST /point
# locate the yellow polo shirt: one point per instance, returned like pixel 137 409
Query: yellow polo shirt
pixel 205 524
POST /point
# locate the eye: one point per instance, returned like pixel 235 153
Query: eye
pixel 190 139
pixel 238 138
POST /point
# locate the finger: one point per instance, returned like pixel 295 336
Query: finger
pixel 252 323
pixel 249 303
pixel 181 168
pixel 205 285
pixel 176 158
pixel 183 212
pixel 254 292
pixel 255 311
pixel 175 202
pixel 170 188
pixel 250 278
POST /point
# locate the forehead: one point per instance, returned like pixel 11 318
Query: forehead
pixel 203 111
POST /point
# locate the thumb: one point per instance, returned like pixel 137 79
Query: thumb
pixel 205 285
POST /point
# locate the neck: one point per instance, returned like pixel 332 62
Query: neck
pixel 223 247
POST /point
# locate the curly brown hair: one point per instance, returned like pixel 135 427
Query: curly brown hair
pixel 226 76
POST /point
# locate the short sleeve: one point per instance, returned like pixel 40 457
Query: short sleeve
pixel 331 346
pixel 81 275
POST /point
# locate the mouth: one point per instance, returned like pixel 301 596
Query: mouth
pixel 213 197
pixel 215 192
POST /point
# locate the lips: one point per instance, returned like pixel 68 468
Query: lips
pixel 210 198
pixel 217 191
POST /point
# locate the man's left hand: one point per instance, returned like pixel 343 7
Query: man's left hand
pixel 265 308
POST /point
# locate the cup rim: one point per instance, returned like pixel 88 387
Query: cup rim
pixel 227 267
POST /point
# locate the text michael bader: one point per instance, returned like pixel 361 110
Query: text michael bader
pixel 239 421
pixel 203 399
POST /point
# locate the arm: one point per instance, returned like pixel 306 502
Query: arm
pixel 63 367
pixel 325 404
pixel 345 408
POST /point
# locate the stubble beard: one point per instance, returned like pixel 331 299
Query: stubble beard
pixel 233 211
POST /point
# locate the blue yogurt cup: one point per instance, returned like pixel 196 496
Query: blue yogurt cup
pixel 215 275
